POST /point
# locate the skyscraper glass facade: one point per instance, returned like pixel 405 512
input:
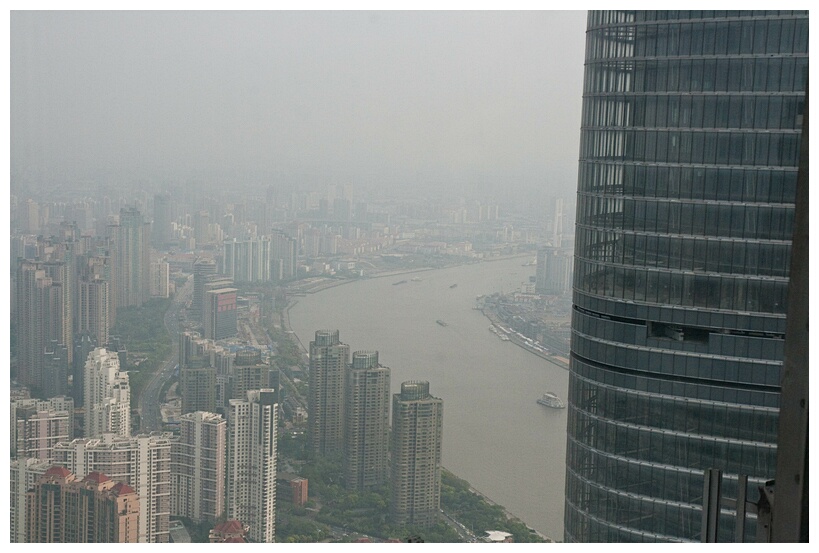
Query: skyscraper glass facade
pixel 688 162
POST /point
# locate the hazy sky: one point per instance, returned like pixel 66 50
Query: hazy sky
pixel 402 97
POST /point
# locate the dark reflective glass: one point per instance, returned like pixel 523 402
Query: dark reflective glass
pixel 697 134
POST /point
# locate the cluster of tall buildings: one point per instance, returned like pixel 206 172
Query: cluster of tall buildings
pixel 226 462
pixel 222 462
pixel 214 301
pixel 68 286
pixel 97 467
pixel 349 409
pixel 67 289
pixel 211 374
pixel 691 131
pixel 218 465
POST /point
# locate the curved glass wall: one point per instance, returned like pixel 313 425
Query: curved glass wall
pixel 687 181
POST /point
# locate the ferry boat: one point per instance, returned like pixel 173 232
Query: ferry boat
pixel 416 279
pixel 442 323
pixel 399 282
pixel 550 399
pixel 454 286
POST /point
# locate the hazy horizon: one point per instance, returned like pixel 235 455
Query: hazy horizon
pixel 394 98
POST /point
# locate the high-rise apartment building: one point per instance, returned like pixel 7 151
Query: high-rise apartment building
pixel 94 315
pixel 193 348
pixel 247 260
pixel 96 306
pixel 38 425
pixel 84 343
pixel 60 268
pixel 687 178
pixel 96 509
pixel 198 467
pixel 201 269
pixel 220 320
pixel 160 284
pixel 553 276
pixel 40 319
pixel 107 395
pixel 161 227
pixel 143 462
pixel 29 217
pixel 367 422
pixel 325 402
pixel 312 243
pixel 201 224
pixel 55 369
pixel 25 472
pixel 249 372
pixel 251 479
pixel 415 466
pixel 558 223
pixel 197 380
pixel 282 256
pixel 130 254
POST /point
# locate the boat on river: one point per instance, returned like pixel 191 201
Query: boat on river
pixel 454 286
pixel 550 399
pixel 442 323
pixel 399 282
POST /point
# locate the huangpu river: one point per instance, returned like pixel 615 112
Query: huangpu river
pixel 495 435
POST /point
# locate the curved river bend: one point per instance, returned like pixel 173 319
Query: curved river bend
pixel 495 434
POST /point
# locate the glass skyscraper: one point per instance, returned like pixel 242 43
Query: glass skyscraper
pixel 687 178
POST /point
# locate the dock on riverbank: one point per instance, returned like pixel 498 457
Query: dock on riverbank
pixel 558 360
pixel 317 284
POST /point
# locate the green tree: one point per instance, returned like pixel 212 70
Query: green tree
pixel 142 331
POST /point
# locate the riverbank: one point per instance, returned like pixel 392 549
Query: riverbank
pixel 301 288
pixel 288 328
pixel 561 362
pixel 508 515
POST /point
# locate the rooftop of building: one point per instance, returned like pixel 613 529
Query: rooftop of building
pixel 121 488
pixel 96 477
pixel 229 527
pixel 178 532
pixel 497 536
pixel 289 476
pixel 57 470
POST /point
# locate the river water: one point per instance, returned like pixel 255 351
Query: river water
pixel 495 435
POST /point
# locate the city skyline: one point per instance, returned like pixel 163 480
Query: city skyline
pixel 203 204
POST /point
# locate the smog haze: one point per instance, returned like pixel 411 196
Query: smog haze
pixel 392 99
